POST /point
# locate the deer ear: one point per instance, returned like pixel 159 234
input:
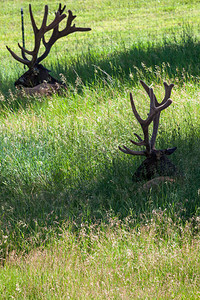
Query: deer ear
pixel 169 151
pixel 41 67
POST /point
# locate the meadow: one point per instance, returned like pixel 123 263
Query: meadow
pixel 73 224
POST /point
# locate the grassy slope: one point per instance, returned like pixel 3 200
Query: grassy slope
pixel 60 163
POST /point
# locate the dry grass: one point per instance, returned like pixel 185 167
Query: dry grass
pixel 111 262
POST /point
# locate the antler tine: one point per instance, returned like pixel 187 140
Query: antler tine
pixel 140 120
pixel 168 90
pixel 140 143
pixel 60 9
pixel 152 110
pixel 35 29
pixel 70 29
pixel 44 28
pixel 22 60
pixel 161 106
pixel 147 89
pixel 156 122
pixel 70 19
pixel 139 138
pixel 129 151
pixel 58 18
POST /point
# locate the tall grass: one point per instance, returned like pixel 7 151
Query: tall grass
pixel 113 262
pixel 69 211
pixel 60 161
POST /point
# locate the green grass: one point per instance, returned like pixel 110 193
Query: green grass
pixel 72 222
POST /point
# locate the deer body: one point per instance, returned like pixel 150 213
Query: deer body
pixel 157 164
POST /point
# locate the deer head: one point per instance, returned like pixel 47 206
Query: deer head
pixel 35 76
pixel 156 162
pixel 37 73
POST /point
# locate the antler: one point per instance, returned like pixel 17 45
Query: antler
pixel 168 89
pixel 39 35
pixel 59 34
pixel 154 115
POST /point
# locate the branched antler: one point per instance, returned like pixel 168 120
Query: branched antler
pixel 153 116
pixel 40 33
pixel 56 34
pixel 168 89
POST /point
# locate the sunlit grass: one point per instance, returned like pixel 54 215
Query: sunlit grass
pixel 110 262
pixel 113 24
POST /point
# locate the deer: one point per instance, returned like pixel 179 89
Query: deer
pixel 156 162
pixel 37 74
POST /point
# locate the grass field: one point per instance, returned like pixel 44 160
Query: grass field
pixel 73 225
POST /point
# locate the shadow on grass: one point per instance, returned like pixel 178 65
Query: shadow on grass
pixel 32 216
pixel 170 58
pixel 177 60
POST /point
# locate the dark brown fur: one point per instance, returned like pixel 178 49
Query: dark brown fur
pixel 157 164
pixel 34 76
